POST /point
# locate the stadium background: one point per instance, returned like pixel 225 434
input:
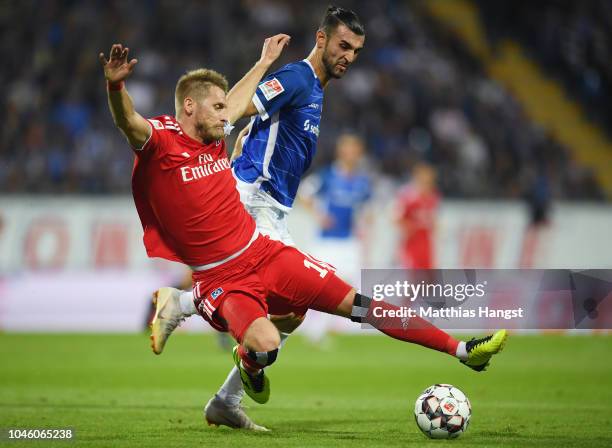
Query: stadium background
pixel 509 101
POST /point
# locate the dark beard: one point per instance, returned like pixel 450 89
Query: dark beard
pixel 206 135
pixel 329 68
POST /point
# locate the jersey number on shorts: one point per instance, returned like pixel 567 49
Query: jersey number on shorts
pixel 320 266
pixel 310 265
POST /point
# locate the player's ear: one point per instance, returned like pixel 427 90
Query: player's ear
pixel 188 105
pixel 321 39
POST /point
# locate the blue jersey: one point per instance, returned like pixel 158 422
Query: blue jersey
pixel 283 136
pixel 341 196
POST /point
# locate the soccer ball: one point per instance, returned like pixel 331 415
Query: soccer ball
pixel 442 412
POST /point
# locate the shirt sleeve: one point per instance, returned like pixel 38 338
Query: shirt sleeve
pixel 284 88
pixel 157 139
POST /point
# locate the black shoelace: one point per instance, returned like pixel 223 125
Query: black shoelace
pixel 471 344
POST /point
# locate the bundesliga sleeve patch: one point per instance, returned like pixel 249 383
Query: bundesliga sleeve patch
pixel 156 124
pixel 271 88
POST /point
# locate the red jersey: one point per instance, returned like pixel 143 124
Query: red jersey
pixel 186 198
pixel 419 209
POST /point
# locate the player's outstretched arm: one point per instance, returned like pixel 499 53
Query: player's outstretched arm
pixel 136 129
pixel 239 97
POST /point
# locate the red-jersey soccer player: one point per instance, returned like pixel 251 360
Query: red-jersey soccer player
pixel 417 207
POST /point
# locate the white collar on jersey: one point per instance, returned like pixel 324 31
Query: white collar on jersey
pixel 311 67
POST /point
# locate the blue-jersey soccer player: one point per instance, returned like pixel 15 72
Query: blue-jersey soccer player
pixel 273 152
pixel 338 195
pixel 277 147
pixel 282 139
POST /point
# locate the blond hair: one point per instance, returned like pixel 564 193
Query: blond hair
pixel 196 83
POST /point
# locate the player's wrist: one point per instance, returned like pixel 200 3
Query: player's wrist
pixel 115 86
pixel 264 64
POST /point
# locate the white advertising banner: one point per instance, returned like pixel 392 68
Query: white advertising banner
pixel 78 264
pixel 70 233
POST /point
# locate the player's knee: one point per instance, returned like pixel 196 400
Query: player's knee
pixel 255 360
pixel 261 336
pixel 265 343
pixel 260 345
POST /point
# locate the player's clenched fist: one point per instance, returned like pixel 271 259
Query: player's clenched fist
pixel 273 47
pixel 117 68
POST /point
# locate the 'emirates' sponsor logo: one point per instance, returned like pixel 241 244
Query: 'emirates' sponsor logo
pixel 206 167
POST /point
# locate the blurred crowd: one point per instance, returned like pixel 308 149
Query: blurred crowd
pixel 573 40
pixel 414 94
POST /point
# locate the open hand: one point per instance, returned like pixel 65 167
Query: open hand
pixel 117 68
pixel 273 47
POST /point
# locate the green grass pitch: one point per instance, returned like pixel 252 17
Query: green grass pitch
pixel 543 391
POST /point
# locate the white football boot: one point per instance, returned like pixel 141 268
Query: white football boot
pixel 217 412
pixel 168 316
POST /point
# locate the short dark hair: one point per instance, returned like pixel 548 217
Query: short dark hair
pixel 336 15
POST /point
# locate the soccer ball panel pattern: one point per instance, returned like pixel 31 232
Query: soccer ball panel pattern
pixel 442 411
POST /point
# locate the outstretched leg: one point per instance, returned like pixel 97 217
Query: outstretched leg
pixel 475 353
pixel 302 280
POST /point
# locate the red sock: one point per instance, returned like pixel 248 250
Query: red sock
pixel 413 329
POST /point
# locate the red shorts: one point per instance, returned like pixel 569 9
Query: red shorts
pixel 268 278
